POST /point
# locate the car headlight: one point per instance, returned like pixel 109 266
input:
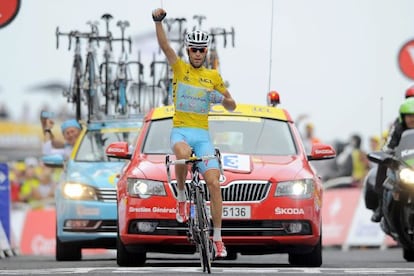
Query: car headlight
pixel 79 191
pixel 145 188
pixel 407 176
pixel 296 188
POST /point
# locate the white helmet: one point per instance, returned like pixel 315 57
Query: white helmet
pixel 197 39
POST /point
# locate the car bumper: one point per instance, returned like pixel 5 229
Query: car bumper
pixel 171 235
pixel 86 221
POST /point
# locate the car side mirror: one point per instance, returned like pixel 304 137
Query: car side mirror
pixel 119 150
pixel 53 160
pixel 321 152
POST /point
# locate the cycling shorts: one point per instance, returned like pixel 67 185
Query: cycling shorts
pixel 199 140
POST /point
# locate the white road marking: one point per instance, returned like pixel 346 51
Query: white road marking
pixel 181 270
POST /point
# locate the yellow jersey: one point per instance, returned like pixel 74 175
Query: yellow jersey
pixel 192 89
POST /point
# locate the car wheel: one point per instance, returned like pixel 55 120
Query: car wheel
pixel 126 258
pixel 67 251
pixel 312 259
pixel 408 255
pixel 231 255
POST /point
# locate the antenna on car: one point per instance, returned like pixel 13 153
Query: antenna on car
pixel 381 117
pixel 271 48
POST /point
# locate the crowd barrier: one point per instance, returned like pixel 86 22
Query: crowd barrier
pixel 346 224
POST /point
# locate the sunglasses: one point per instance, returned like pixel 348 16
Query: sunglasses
pixel 201 50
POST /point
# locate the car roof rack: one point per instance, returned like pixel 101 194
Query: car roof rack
pixel 116 117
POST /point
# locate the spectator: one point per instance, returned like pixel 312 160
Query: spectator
pixel 71 130
pixel 374 143
pixel 44 193
pixel 360 162
pixel 16 177
pixel 46 188
pixel 30 182
pixel 308 137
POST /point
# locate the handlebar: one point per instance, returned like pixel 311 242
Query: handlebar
pixel 93 35
pixel 191 160
pixel 195 159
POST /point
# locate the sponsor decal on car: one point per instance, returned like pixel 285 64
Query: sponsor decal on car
pixel 84 211
pixel 162 210
pixel 289 211
pixel 236 162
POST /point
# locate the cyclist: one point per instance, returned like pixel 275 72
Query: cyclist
pixel 71 130
pixel 403 122
pixel 192 85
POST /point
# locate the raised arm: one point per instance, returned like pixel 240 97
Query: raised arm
pixel 158 15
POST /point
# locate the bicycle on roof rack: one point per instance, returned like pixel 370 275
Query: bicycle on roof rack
pixel 199 224
pixel 107 57
pixel 92 84
pixel 212 60
pixel 73 94
pixel 83 80
pixel 123 79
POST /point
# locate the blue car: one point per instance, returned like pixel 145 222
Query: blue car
pixel 86 212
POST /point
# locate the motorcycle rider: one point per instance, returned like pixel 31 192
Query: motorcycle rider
pixel 403 122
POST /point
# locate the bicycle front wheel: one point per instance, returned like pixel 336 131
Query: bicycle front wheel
pixel 204 245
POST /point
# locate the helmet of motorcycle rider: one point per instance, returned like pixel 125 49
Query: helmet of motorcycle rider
pixel 407 107
pixel 197 39
pixel 409 92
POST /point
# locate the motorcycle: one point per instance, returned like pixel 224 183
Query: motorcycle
pixel 398 196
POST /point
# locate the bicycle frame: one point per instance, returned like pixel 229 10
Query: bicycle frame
pixel 199 220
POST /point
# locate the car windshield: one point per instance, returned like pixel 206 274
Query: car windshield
pixel 244 135
pixel 94 143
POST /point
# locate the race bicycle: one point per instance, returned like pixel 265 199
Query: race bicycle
pixel 198 223
pixel 83 80
pixel 123 80
pixel 91 83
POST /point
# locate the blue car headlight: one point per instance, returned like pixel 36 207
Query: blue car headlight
pixel 145 188
pixel 78 191
pixel 302 188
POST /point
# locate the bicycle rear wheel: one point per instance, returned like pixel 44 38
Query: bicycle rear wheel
pixel 204 245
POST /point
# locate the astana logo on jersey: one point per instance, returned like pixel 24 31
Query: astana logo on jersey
pixel 192 99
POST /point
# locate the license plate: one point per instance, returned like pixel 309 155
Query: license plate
pixel 235 212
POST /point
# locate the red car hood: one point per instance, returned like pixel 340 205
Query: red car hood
pixel 278 168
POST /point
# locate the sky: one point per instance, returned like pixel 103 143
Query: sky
pixel 333 60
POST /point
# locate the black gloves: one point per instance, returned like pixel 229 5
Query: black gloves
pixel 159 18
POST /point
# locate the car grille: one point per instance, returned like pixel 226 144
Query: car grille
pixel 106 194
pixel 251 190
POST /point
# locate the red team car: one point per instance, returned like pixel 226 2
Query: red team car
pixel 272 196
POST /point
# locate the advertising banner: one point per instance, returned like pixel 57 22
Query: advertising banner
pixel 5 199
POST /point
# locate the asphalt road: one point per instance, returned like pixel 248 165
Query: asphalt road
pixel 336 262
